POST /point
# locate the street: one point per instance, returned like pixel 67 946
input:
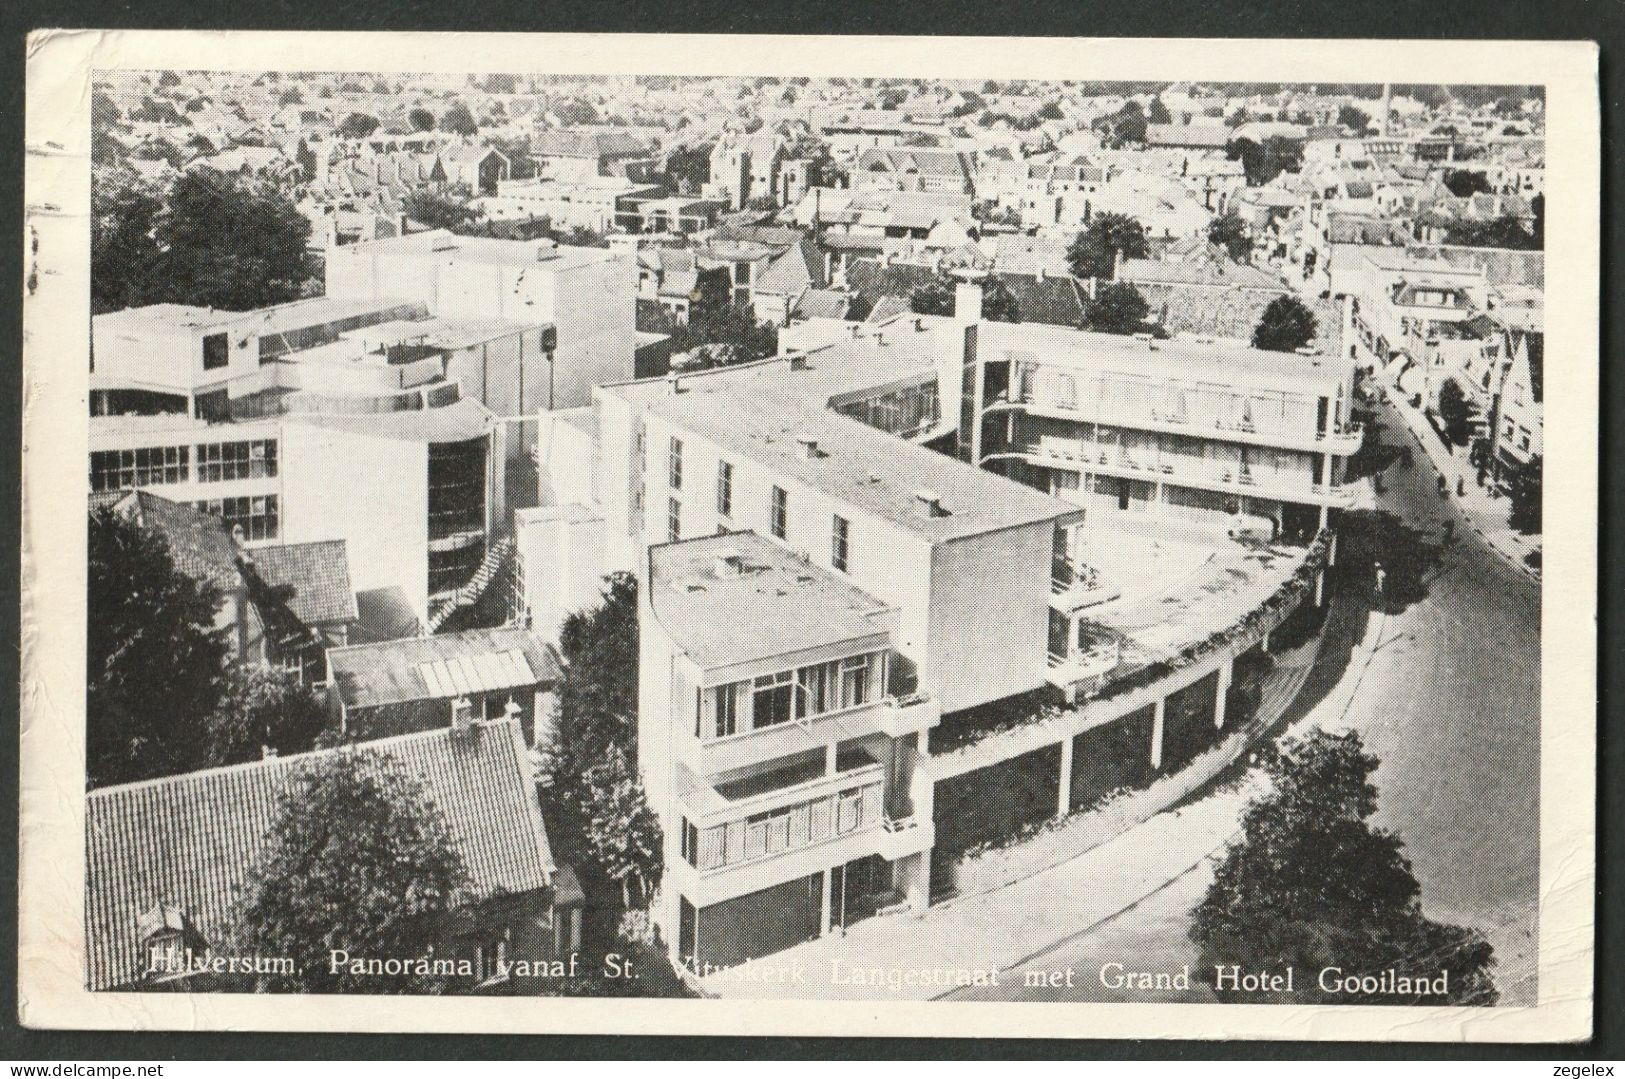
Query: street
pixel 1448 698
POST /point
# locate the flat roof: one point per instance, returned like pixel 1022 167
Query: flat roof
pixel 442 666
pixel 1174 359
pixel 292 315
pixel 443 244
pixel 861 466
pixel 456 422
pixel 775 604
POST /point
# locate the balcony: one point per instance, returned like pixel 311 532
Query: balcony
pixel 1081 665
pixel 896 717
pixel 1075 586
pixel 1339 440
pixel 786 820
pixel 1108 460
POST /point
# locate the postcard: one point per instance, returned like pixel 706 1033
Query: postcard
pixel 845 536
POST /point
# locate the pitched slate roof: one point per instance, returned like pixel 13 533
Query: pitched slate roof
pixel 823 303
pixel 799 268
pixel 318 574
pixel 391 672
pixel 189 842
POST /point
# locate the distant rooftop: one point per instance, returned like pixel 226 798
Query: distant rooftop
pixel 739 616
pixel 448 245
pixel 444 665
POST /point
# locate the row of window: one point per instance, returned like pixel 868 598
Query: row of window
pixel 257 514
pixel 147 466
pixel 771 700
pixel 780 830
pixel 778 507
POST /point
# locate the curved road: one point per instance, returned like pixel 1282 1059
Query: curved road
pixel 1450 703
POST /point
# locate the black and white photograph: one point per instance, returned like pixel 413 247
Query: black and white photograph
pixel 803 540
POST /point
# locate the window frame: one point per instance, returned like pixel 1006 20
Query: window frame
pixel 840 543
pixel 778 512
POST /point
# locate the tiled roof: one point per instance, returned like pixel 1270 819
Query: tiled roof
pixel 199 543
pixel 190 841
pixel 823 303
pixel 390 672
pixel 801 267
pixel 319 576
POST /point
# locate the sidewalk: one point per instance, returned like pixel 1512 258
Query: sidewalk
pixel 991 933
pixel 1484 515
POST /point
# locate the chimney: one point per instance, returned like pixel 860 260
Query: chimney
pixel 927 503
pixel 676 382
pixel 807 447
pixel 880 338
pixel 727 564
pixel 1147 339
pixel 968 302
pixel 919 325
pixel 798 361
pixel 462 716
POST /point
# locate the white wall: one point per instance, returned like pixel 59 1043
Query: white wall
pixel 372 493
pixel 561 553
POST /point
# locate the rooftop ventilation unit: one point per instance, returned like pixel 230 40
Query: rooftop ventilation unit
pixel 808 447
pixel 728 564
pixel 927 503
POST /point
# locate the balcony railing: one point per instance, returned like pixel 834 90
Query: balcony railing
pixel 1083 664
pixel 790 829
pixel 1199 426
pixel 1197 472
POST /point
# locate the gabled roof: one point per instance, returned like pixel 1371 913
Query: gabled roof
pixel 187 844
pixel 200 545
pixel 318 575
pixel 798 269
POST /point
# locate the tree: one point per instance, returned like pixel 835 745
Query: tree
pixel 459 121
pixel 1095 252
pixel 155 657
pixel 1285 326
pixel 1526 484
pixel 893 97
pixel 623 833
pixel 1158 112
pixel 358 125
pixel 1263 162
pixel 1117 307
pixel 1230 232
pixel 723 333
pixel 1462 183
pixel 168 79
pixel 934 298
pixel 596 809
pixel 574 112
pixel 1050 110
pixel 123 250
pixel 227 244
pixel 263 708
pixel 1354 119
pixel 103 112
pixel 421 119
pixel 447 209
pixel 1125 127
pixel 500 84
pixel 1312 885
pixel 1454 412
pixel 688 167
pixel 358 860
pixel 1506 231
pixel 306 159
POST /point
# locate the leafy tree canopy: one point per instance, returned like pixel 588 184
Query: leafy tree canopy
pixel 358 125
pixel 1094 253
pixel 1117 307
pixel 421 119
pixel 1311 884
pixel 1230 232
pixel 1285 326
pixel 156 661
pixel 263 708
pixel 447 209
pixel 1507 232
pixel 1526 489
pixel 459 121
pixel 359 860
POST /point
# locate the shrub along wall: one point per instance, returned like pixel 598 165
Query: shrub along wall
pixel 992 803
pixel 1111 757
pixel 1188 722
